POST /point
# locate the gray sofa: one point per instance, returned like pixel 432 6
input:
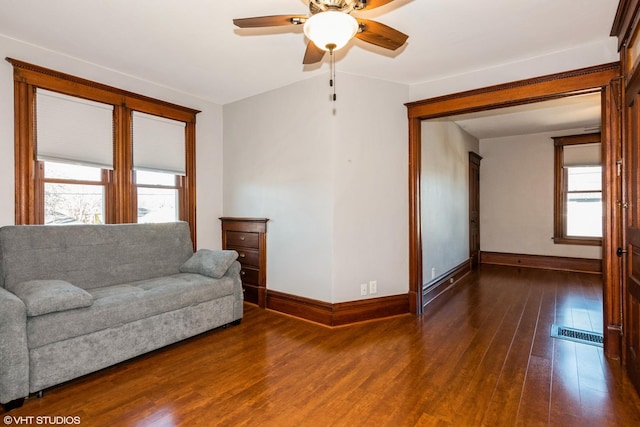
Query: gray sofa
pixel 78 298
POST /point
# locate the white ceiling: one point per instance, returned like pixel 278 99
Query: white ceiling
pixel 192 45
pixel 580 113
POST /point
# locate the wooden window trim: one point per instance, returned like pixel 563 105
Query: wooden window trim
pixel 27 77
pixel 560 183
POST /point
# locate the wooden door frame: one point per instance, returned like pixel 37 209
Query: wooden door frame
pixel 585 80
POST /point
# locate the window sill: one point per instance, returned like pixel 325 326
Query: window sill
pixel 584 241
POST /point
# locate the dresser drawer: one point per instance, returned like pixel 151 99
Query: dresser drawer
pixel 247 257
pixel 249 275
pixel 243 239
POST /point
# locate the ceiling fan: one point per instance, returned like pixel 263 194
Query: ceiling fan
pixel 329 26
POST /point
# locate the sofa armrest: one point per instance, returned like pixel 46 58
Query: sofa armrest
pixel 14 369
pixel 234 273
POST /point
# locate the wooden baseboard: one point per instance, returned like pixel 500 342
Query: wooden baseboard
pixel 345 313
pixel 581 265
pixel 338 314
pixel 431 291
pixel 305 308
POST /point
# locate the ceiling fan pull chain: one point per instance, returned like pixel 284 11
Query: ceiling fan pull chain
pixel 332 74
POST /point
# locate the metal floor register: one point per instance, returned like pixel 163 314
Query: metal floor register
pixel 577 335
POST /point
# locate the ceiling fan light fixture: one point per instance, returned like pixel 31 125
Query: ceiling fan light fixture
pixel 330 30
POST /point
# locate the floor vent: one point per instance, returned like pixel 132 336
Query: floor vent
pixel 577 335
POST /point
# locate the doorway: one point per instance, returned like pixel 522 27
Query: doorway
pixel 583 81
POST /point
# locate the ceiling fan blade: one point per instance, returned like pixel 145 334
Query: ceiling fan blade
pixel 270 21
pixel 371 4
pixel 380 35
pixel 313 54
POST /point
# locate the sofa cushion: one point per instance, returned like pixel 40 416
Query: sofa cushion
pixel 120 304
pixel 92 255
pixel 209 263
pixel 48 296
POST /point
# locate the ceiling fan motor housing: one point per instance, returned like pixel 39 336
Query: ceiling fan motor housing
pixel 346 6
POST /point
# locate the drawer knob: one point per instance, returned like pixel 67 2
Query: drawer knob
pixel 241 237
pixel 243 273
pixel 242 255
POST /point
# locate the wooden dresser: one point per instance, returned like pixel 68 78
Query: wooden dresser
pixel 248 236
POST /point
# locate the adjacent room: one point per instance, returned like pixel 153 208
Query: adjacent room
pixel 319 212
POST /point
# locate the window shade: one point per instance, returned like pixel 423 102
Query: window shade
pixel 581 155
pixel 158 144
pixel 72 129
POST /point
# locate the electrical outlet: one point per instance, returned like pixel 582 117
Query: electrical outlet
pixel 433 273
pixel 373 286
pixel 363 289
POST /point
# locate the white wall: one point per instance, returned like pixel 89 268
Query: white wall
pixel 516 197
pixel 209 130
pixel 444 194
pixel 370 194
pixel 331 177
pixel 7 193
pixel 278 153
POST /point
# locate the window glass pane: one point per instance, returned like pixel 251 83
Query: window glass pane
pixel 70 171
pixel 584 215
pixel 157 205
pixel 155 178
pixel 73 204
pixel 584 178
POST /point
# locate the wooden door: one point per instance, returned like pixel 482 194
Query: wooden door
pixel 632 240
pixel 474 208
pixel 626 26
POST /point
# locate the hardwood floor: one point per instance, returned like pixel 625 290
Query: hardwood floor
pixel 482 357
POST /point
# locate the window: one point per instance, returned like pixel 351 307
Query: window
pixel 72 179
pixel 159 165
pixel 91 153
pixel 578 190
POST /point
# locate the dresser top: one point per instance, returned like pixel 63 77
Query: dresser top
pixel 232 218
